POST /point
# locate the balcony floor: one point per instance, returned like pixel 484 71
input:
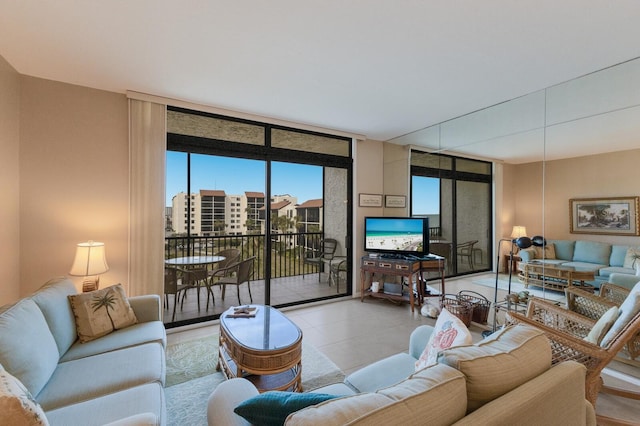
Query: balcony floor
pixel 283 291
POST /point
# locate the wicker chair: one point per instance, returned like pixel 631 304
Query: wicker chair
pixel 173 286
pixel 594 306
pixel 223 268
pixel 317 257
pixel 193 278
pixel 465 250
pixel 566 331
pixel 243 273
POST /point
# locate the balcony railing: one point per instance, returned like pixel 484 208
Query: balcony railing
pixel 287 250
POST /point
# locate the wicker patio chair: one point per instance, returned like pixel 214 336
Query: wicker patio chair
pixel 243 273
pixel 566 331
pixel 318 257
pixel 465 250
pixel 594 306
pixel 224 268
pixel 195 278
pixel 173 286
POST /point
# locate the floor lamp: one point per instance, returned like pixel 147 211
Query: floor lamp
pixel 519 239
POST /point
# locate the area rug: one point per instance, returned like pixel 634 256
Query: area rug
pixel 517 286
pixel 192 376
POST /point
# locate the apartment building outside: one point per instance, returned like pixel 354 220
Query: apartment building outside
pixel 213 212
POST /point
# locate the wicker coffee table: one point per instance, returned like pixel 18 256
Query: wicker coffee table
pixel 265 349
pixel 555 277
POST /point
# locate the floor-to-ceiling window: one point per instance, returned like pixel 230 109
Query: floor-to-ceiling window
pixel 272 193
pixel 455 193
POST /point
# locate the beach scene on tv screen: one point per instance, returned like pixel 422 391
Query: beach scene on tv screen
pixel 394 235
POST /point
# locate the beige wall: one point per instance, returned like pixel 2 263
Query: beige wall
pixel 397 180
pixel 10 181
pixel 369 180
pixel 614 174
pixel 73 179
pixel 64 167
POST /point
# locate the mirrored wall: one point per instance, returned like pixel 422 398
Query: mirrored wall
pixel 576 140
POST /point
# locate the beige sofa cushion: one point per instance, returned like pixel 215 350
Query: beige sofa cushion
pixel 500 363
pixel 436 393
pixel 556 397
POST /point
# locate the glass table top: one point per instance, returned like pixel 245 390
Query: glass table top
pixel 268 330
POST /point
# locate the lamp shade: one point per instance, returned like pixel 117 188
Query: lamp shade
pixel 518 231
pixel 90 259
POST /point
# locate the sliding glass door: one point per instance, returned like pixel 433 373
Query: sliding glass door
pixel 270 198
pixel 455 193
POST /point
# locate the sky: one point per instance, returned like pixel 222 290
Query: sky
pixel 236 175
pixel 425 195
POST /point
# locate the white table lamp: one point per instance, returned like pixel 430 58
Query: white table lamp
pixel 90 262
pixel 518 231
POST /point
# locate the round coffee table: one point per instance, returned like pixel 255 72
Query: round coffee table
pixel 265 349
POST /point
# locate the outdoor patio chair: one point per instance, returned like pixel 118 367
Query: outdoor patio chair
pixel 243 273
pixel 318 257
pixel 465 251
pixel 337 267
pixel 194 278
pixel 172 286
pixel 442 249
pixel 566 331
pixel 223 268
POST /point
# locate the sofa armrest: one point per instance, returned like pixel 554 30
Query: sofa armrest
pixel 147 308
pixel 227 396
pixel 624 280
pixel 418 340
pixel 527 254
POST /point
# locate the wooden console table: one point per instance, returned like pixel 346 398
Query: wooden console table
pixel 369 266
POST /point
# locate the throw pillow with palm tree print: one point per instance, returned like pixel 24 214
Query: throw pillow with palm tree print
pixel 100 312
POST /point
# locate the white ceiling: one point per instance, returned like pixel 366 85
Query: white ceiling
pixel 379 68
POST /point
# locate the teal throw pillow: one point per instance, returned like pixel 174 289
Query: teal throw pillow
pixel 273 407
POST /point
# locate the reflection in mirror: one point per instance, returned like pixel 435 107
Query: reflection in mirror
pixel 592 144
pixel 575 140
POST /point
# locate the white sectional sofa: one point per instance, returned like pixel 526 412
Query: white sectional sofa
pixel 117 378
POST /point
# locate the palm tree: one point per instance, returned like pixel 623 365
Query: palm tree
pixel 107 301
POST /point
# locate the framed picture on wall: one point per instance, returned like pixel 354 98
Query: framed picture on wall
pixel 608 216
pixel 397 201
pixel 370 200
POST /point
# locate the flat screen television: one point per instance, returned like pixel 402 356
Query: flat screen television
pixel 400 236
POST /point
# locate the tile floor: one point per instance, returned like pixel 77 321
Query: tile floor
pixel 353 333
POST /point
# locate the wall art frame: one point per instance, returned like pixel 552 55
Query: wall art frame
pixel 605 216
pixel 395 201
pixel 370 200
